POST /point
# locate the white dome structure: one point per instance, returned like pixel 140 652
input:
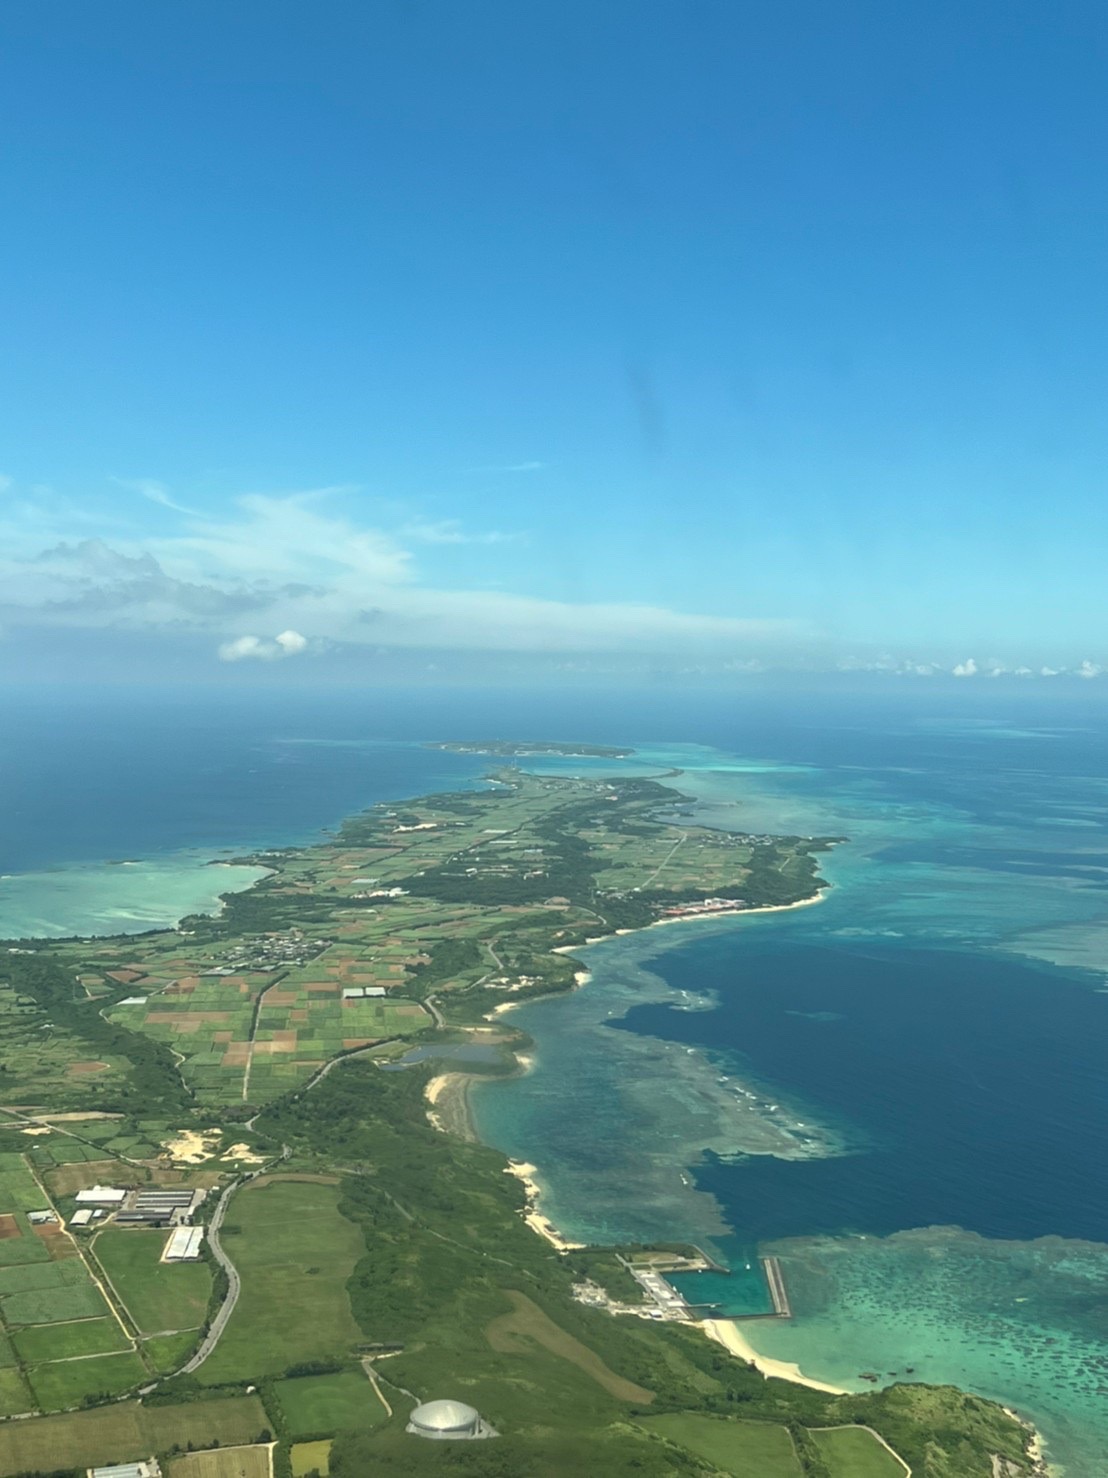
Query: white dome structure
pixel 449 1420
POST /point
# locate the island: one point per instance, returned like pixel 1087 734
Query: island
pixel 231 1219
pixel 534 748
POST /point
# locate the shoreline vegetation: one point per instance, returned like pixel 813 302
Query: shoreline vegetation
pixel 398 942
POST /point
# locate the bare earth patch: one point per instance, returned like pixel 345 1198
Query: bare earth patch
pixel 192 1148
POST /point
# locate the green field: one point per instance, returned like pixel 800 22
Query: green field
pixel 40 1342
pixel 19 1190
pixel 294 1253
pixel 14 1395
pixel 160 1297
pixel 852 1452
pixel 49 1293
pixel 310 1457
pixel 25 1247
pixel 744 1449
pixel 56 1305
pixel 125 1432
pixel 315 1405
pixel 67 1382
pixel 168 1352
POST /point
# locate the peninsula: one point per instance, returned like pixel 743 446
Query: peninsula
pixel 260 1076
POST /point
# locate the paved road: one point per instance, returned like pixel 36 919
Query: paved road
pixel 219 1323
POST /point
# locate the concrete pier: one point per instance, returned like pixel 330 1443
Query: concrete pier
pixel 774 1278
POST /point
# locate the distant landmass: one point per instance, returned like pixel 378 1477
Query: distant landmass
pixel 531 747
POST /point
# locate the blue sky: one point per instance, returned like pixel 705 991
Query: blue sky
pixel 690 337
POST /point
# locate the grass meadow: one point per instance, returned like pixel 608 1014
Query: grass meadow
pixel 314 1405
pixel 744 1449
pixel 852 1452
pixel 160 1297
pixel 294 1253
pixel 68 1382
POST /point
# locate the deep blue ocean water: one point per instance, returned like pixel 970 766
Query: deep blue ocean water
pixel 960 1081
pixel 901 1091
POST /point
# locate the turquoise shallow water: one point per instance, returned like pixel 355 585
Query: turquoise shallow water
pixel 107 898
pixel 947 1211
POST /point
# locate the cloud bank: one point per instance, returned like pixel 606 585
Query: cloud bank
pixel 301 566
pixel 269 578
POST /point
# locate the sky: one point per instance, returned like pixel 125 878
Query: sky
pixel 432 340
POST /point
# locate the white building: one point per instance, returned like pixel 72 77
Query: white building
pixel 184 1245
pixel 147 1469
pixel 449 1421
pixel 101 1195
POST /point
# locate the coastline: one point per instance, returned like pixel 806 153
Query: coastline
pixel 1035 1446
pixel 727 913
pixel 728 1333
pixel 525 1173
pixel 448 1111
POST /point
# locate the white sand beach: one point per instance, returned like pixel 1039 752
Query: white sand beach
pixel 727 1333
pixel 525 1172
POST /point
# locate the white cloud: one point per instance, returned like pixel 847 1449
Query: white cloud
pixel 968 668
pixel 300 564
pixel 155 492
pixel 245 648
pixel 1089 669
pixel 1048 671
pixel 450 531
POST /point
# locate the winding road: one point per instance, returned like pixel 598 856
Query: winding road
pixel 219 1323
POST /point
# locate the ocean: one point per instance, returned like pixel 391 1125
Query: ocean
pixel 900 1090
